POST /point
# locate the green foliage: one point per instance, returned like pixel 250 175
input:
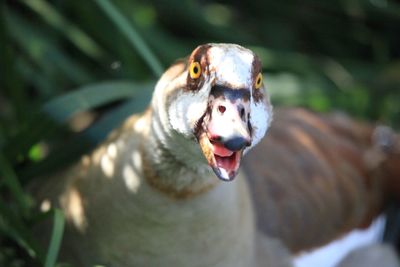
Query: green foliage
pixel 56 238
pixel 62 61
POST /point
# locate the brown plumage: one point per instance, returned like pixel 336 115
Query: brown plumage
pixel 315 177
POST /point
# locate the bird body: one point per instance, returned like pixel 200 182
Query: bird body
pixel 122 220
pixel 149 196
pixel 326 180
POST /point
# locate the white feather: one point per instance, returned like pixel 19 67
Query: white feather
pixel 331 254
pixel 260 119
pixel 233 65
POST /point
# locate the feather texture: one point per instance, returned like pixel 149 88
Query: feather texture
pixel 316 177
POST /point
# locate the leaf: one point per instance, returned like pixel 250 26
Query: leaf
pixel 11 181
pixel 132 34
pixel 83 41
pixel 13 227
pixel 51 62
pixel 56 238
pixel 88 139
pixel 88 97
pixel 57 111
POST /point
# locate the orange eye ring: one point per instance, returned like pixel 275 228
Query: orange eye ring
pixel 195 70
pixel 259 80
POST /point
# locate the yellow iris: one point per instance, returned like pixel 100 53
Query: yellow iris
pixel 195 70
pixel 259 81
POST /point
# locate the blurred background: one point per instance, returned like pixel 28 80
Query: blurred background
pixel 73 70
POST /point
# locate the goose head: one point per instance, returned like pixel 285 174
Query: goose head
pixel 217 99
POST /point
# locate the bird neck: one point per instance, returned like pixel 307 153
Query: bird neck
pixel 173 163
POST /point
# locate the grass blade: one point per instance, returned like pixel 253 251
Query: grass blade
pixel 56 238
pixel 88 139
pixel 60 109
pixel 132 34
pixel 50 61
pixel 64 107
pixel 13 227
pixel 10 179
pixel 10 81
pixel 81 40
pixel 105 125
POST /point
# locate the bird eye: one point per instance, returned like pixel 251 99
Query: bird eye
pixel 195 70
pixel 259 81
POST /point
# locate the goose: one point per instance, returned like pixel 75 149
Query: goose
pixel 166 187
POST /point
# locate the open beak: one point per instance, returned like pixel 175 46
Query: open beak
pixel 225 131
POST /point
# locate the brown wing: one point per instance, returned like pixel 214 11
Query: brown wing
pixel 314 177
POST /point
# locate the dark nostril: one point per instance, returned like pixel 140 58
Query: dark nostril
pixel 221 109
pixel 216 138
pixel 242 113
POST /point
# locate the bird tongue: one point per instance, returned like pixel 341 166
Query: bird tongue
pixel 224 162
pixel 221 151
pixel 227 161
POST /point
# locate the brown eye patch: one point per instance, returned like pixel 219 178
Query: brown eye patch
pixel 199 56
pixel 257 69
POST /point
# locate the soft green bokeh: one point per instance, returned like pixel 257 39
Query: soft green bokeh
pixel 62 59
